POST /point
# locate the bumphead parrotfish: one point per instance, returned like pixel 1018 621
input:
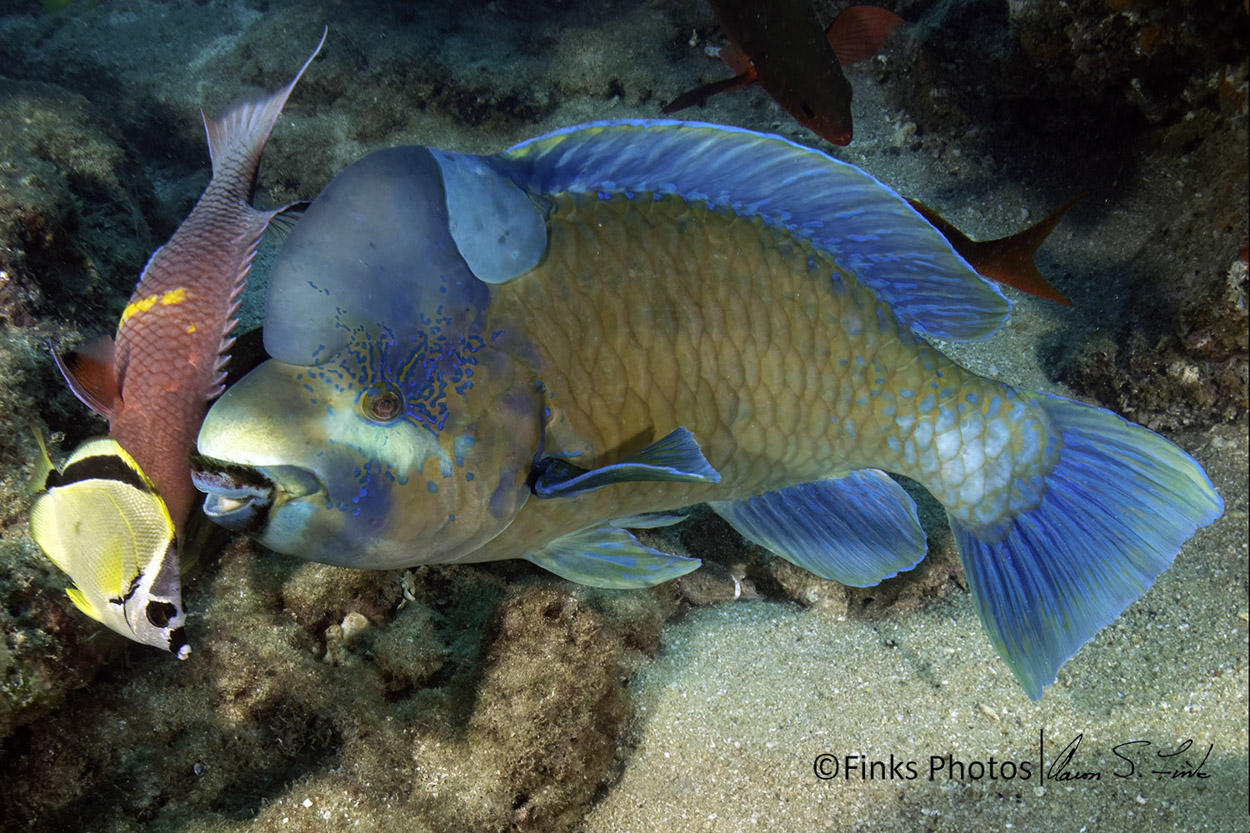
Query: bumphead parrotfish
pixel 527 354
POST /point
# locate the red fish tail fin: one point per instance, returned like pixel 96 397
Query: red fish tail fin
pixel 237 137
pixel 1011 258
pixel 859 32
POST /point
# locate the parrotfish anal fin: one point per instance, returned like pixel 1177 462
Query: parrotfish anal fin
pixel 608 556
pixel 866 227
pixel 857 530
pixel 237 137
pixel 675 457
pixel 1114 513
pixel 90 374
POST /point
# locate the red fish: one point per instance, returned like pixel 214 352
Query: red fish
pixel 780 44
pixel 154 381
pixel 1009 259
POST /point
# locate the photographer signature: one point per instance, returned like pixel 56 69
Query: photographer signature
pixel 1166 763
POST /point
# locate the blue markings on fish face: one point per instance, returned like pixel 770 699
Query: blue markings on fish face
pixel 381 433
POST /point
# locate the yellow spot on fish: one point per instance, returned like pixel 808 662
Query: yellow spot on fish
pixel 190 329
pixel 165 299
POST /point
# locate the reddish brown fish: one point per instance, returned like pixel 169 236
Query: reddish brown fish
pixel 781 45
pixel 154 382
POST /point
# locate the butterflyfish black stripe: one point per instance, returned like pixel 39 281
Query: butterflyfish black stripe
pixel 99 467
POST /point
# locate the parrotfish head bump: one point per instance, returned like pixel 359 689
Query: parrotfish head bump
pixel 392 426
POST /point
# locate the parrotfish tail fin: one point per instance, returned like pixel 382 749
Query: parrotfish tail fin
pixel 237 137
pixel 859 32
pixel 867 228
pixel 1114 512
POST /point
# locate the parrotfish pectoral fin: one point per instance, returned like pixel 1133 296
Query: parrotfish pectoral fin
pixel 857 529
pixel 1115 511
pixel 608 556
pixel 868 228
pixel 90 375
pixel 675 457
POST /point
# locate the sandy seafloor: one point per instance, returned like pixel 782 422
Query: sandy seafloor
pixel 706 714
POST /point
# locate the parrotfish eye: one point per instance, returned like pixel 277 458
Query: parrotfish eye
pixel 382 402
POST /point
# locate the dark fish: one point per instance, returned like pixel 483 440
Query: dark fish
pixel 781 45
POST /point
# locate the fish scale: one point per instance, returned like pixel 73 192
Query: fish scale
pixel 527 355
pixel 115 518
pixel 787 417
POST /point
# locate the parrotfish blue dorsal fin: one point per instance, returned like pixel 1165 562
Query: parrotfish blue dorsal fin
pixel 866 226
pixel 675 457
pixel 858 529
pixel 607 555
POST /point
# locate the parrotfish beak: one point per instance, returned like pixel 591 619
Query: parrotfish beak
pixel 240 498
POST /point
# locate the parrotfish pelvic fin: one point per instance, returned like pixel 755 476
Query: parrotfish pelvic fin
pixel 1008 259
pixel 607 555
pixel 91 376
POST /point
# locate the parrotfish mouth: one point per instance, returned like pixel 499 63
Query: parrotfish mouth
pixel 240 498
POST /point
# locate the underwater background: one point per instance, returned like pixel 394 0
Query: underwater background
pixel 496 698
